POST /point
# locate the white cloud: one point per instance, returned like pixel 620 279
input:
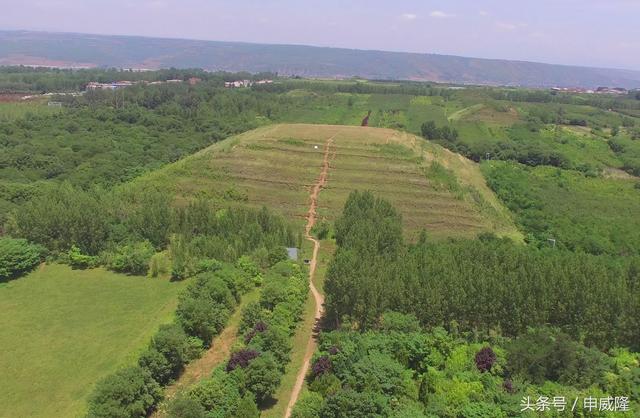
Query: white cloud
pixel 409 16
pixel 439 14
pixel 509 26
pixel 483 13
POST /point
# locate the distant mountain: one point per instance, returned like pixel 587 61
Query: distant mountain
pixel 79 50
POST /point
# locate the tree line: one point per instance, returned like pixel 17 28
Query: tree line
pixel 487 284
pixel 133 231
pixel 252 374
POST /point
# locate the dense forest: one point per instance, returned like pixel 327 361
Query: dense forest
pixel 486 284
pixel 467 328
pixel 399 370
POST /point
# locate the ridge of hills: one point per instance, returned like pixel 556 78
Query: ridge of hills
pixel 84 50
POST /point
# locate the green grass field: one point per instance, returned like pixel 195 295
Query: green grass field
pixel 15 110
pixel 62 330
pixel 595 215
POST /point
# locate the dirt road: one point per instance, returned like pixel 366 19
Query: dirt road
pixel 317 296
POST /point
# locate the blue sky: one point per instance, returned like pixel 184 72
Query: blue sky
pixel 603 33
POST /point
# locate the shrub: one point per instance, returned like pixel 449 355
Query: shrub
pixel 349 403
pixel 128 393
pixel 172 342
pixel 77 260
pixel 275 340
pixel 485 358
pixel 321 229
pixel 18 256
pixel 321 366
pixel 159 264
pixel 273 293
pixel 157 365
pixel 247 265
pixel 381 373
pixel 396 321
pixel 194 349
pixel 185 407
pixel 247 407
pixel 262 377
pixel 276 255
pixel 208 265
pixel 252 313
pixel 241 359
pixel 308 406
pixel 258 328
pixel 326 384
pixel 132 258
pixel 218 393
pixel 201 318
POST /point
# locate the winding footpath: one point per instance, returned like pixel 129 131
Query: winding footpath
pixel 317 296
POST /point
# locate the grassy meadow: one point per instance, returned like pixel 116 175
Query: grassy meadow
pixel 62 330
pixel 15 110
pixel 578 212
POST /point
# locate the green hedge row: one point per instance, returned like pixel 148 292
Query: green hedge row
pixel 203 310
pixel 253 372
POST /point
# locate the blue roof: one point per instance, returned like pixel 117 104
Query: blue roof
pixel 292 253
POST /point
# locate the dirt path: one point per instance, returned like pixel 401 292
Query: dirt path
pixel 202 367
pixel 317 296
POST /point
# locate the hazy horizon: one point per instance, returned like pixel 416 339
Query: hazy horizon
pixel 591 33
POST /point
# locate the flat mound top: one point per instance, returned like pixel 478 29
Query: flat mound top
pixel 276 166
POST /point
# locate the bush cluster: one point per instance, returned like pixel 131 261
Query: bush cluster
pixel 203 310
pixel 18 256
pixel 389 373
pixel 253 372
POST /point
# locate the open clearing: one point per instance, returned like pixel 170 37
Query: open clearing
pixel 11 110
pixel 62 330
pixel 276 166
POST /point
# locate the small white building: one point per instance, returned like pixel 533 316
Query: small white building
pixel 292 253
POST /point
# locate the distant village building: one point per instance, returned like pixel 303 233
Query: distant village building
pixel 245 83
pixel 194 80
pixel 611 90
pixel 109 86
pixel 599 90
